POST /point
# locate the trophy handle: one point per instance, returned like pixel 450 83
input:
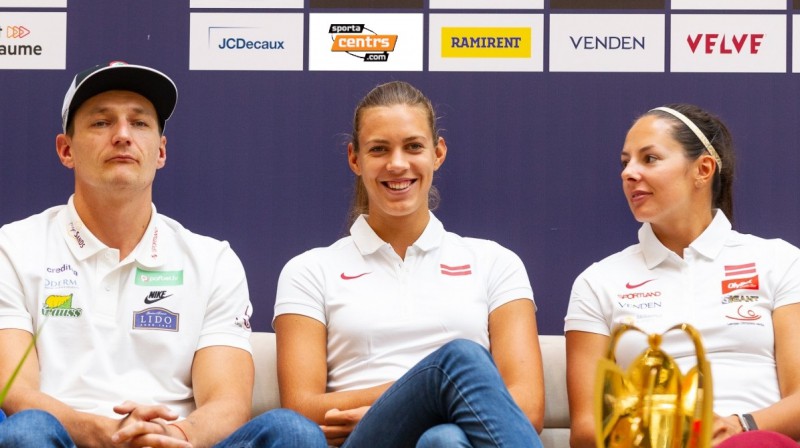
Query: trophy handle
pixel 701 405
pixel 623 404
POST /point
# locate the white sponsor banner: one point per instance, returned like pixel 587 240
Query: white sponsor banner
pixel 607 42
pixel 795 44
pixel 245 4
pixel 730 4
pixel 246 41
pixel 728 43
pixel 33 40
pixel 486 4
pixel 486 42
pixel 33 3
pixel 365 42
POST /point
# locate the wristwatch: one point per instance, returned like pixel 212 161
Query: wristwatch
pixel 747 421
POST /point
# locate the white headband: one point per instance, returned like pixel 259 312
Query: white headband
pixel 696 131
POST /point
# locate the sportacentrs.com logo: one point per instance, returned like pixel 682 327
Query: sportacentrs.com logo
pixel 361 42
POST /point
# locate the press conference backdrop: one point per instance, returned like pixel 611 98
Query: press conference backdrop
pixel 534 97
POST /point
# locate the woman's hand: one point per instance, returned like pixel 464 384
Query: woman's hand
pixel 724 427
pixel 339 424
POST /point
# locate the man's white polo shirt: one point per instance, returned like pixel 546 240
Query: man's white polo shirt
pixel 727 285
pixel 384 314
pixel 114 331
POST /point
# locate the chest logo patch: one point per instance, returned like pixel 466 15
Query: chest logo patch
pixel 158 278
pixel 60 306
pixel 740 276
pixel 456 270
pixel 156 319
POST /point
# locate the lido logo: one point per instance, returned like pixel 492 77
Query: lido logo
pixel 361 42
pixel 486 42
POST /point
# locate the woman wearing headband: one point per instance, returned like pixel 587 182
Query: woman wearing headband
pixel 740 291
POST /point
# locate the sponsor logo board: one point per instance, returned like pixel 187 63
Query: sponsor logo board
pixel 245 4
pixel 796 43
pixel 490 43
pixel 234 41
pixel 729 4
pixel 365 42
pixel 486 4
pixel 607 4
pixel 33 3
pixel 728 43
pixel 33 40
pixel 607 43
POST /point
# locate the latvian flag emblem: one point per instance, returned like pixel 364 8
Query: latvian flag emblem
pixel 456 270
pixel 740 276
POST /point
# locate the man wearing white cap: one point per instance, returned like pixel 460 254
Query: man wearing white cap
pixel 143 326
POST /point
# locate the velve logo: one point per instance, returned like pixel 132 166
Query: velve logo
pixel 739 283
pixel 486 42
pixel 16 32
pixel 366 41
pixel 718 43
pixel 714 43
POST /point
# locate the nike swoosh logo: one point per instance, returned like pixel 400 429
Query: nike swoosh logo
pixel 352 277
pixel 629 286
pixel 148 300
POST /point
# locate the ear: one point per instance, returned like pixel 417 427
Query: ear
pixel 440 153
pixel 64 150
pixel 706 168
pixel 162 153
pixel 352 159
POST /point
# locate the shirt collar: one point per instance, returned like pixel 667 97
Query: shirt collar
pixel 708 244
pixel 368 242
pixel 83 244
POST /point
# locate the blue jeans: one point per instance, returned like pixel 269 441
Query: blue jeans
pixel 33 428
pixel 453 397
pixel 274 429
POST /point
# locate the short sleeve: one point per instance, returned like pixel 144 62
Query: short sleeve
pixel 508 280
pixel 301 288
pixel 13 311
pixel 227 318
pixel 585 312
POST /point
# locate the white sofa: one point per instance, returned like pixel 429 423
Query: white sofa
pixel 556 417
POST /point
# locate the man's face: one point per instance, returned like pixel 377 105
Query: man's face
pixel 115 144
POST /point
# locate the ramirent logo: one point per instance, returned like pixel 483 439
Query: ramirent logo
pixel 60 306
pixel 158 278
pixel 486 42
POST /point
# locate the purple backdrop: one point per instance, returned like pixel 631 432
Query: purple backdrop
pixel 258 158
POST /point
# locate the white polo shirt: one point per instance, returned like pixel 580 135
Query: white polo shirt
pixel 114 331
pixel 727 285
pixel 384 314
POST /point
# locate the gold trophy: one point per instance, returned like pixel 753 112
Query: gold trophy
pixel 653 405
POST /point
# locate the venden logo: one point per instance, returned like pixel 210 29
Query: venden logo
pixel 361 42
